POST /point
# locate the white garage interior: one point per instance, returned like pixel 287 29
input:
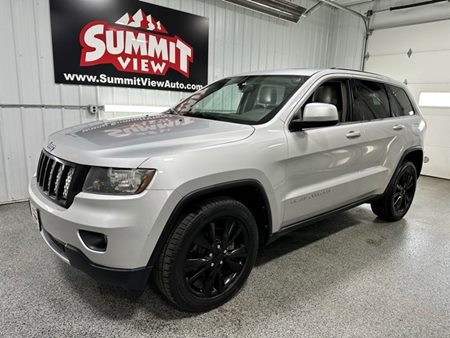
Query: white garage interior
pixel 240 40
pixel 350 275
pixel 418 55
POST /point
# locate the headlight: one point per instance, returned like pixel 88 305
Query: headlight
pixel 117 181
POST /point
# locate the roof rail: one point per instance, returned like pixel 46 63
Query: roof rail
pixel 356 70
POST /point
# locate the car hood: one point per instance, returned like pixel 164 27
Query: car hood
pixel 129 142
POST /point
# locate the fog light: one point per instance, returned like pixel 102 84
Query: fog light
pixel 94 240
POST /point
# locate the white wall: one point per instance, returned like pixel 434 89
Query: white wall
pixel 346 41
pixel 426 70
pixel 240 40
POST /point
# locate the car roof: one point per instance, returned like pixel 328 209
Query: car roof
pixel 291 71
pixel 328 71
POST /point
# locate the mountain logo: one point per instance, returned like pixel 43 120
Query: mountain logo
pixel 140 20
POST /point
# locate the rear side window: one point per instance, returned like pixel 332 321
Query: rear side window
pixel 400 103
pixel 370 101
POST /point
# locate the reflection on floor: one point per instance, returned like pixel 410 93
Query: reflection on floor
pixel 349 275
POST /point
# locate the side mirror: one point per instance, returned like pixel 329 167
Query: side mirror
pixel 316 115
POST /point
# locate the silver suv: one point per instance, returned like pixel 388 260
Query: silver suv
pixel 191 194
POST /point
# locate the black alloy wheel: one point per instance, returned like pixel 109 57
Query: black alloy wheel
pixel 404 191
pixel 209 255
pixel 216 257
pixel 397 200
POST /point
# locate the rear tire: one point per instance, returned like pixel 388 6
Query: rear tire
pixel 208 256
pixel 397 200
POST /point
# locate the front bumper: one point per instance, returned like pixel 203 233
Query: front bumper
pixel 132 225
pixel 130 279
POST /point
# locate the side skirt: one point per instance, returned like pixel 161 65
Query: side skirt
pixel 295 226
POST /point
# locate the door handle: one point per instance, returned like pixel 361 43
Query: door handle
pixel 398 127
pixel 353 134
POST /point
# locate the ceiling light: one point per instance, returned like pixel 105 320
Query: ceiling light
pixel 282 9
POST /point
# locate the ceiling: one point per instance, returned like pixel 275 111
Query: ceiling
pixel 384 18
pixel 378 4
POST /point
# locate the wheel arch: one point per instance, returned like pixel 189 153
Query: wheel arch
pixel 249 192
pixel 414 155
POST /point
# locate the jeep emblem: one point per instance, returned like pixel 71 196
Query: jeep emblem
pixel 51 146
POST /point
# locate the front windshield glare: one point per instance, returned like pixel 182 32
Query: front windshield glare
pixel 249 100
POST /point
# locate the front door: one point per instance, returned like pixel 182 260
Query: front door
pixel 323 168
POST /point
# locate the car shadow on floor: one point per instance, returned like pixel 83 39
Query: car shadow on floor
pixel 116 303
pixel 307 235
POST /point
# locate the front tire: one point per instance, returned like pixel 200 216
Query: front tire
pixel 208 256
pixel 397 200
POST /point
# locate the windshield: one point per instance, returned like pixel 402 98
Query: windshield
pixel 248 100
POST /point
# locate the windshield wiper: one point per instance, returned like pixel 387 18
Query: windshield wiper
pixel 171 111
pixel 203 115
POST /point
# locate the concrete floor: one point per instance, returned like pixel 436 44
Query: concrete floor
pixel 351 275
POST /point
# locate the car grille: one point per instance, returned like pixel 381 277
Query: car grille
pixel 59 180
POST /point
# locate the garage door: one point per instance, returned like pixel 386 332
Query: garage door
pixel 420 55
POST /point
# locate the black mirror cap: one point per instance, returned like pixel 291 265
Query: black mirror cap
pixel 299 125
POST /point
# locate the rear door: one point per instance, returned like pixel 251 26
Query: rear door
pixel 323 168
pixel 385 134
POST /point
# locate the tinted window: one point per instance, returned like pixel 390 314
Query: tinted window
pixel 370 101
pixel 400 103
pixel 332 92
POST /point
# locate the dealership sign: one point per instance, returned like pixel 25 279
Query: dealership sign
pixel 128 43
